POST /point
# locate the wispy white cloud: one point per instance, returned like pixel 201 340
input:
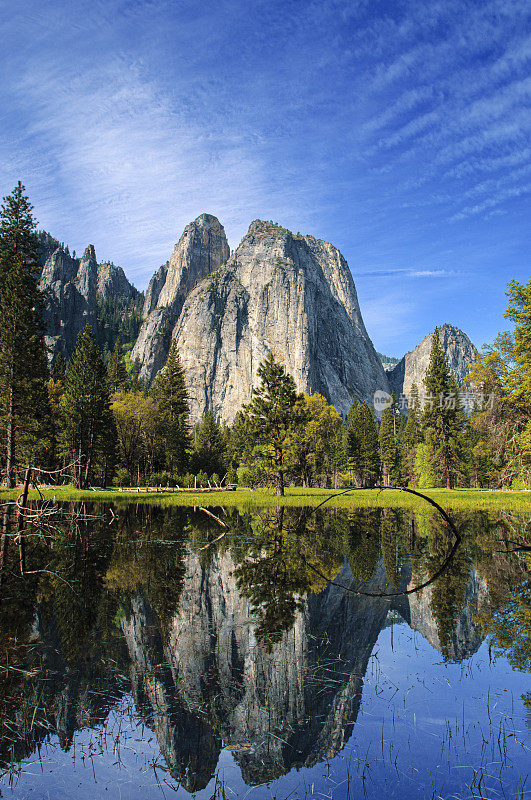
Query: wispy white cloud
pixel 402 273
pixel 134 164
pixel 492 202
pixel 382 128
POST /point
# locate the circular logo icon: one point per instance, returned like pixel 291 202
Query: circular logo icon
pixel 381 400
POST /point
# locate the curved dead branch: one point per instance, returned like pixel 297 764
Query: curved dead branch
pixel 451 553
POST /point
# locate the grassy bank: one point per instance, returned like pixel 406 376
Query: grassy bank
pixel 459 499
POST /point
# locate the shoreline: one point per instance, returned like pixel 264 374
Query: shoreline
pixel 458 499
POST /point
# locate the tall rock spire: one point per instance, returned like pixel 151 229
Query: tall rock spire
pixel 202 248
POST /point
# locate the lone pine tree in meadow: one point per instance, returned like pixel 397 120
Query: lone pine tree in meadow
pixel 24 409
pixel 275 412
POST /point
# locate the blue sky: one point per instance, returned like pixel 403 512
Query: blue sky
pixel 399 131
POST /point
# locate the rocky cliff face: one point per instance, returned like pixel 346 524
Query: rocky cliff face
pixel 467 634
pixel 200 250
pixel 460 355
pixel 289 294
pixel 72 288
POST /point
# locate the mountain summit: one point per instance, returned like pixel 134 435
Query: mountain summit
pixel 73 288
pixel 202 248
pixel 459 351
pixel 288 294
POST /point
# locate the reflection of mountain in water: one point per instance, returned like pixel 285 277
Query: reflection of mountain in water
pixel 208 682
pixel 466 635
pixel 292 705
pixel 63 700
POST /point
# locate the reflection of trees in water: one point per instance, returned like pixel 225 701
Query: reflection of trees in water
pixel 17 614
pixel 449 590
pixel 378 533
pixel 148 557
pixel 81 559
pixel 51 646
pixel 273 569
pixel 490 551
pixel 504 559
pixel 142 556
pixel 392 537
pixel 363 542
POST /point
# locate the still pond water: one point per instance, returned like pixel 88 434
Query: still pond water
pixel 151 653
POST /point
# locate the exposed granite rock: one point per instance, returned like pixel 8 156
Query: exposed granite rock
pixel 48 244
pixel 460 355
pixel 154 289
pixel 200 250
pixel 72 288
pixel 112 282
pixel 467 633
pixel 289 294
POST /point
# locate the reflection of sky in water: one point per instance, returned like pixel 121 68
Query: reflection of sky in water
pixel 425 728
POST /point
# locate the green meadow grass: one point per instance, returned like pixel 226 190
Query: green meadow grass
pixel 459 499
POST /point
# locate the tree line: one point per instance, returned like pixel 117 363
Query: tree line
pixel 93 418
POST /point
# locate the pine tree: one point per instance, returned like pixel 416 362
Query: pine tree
pixel 275 411
pixel 24 406
pixel 58 370
pixel 118 378
pixel 209 446
pixel 171 396
pixel 410 436
pixel 339 460
pixel 353 441
pixel 459 442
pixel 442 419
pixel 362 444
pixel 389 448
pixel 88 433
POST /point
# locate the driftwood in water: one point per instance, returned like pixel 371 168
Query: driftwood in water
pixel 443 567
pixel 21 503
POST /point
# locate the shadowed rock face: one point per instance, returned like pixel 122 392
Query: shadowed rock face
pixel 72 287
pixel 200 250
pixel 283 293
pixel 460 355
